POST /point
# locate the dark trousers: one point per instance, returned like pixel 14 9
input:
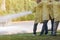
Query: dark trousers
pixel 44 27
pixel 52 23
pixel 55 26
pixel 35 28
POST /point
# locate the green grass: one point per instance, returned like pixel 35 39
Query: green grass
pixel 28 36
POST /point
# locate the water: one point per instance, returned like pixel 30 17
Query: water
pixel 7 18
pixel 21 27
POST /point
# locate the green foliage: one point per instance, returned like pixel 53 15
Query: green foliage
pixel 25 18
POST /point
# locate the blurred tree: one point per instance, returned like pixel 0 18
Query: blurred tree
pixel 15 6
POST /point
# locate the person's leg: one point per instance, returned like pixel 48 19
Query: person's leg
pixel 52 22
pixel 35 28
pixel 55 26
pixel 42 31
pixel 44 27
